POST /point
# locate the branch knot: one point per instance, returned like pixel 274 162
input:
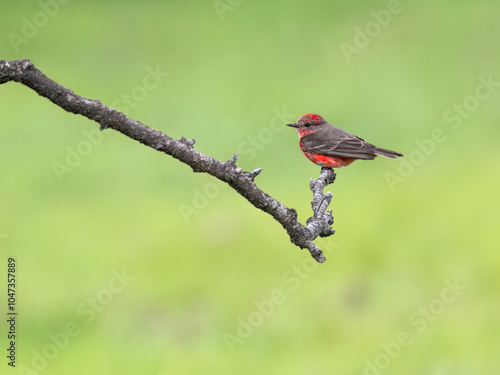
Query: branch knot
pixel 187 142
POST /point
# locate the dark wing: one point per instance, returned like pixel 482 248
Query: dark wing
pixel 338 143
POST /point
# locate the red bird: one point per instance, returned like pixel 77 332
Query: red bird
pixel 329 146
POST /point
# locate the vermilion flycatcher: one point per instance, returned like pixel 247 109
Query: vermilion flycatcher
pixel 329 146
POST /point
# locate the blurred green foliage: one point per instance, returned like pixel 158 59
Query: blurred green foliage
pixel 194 279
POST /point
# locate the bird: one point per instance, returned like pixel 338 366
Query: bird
pixel 329 146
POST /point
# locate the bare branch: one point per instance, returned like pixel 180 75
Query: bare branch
pixel 321 220
pixel 24 72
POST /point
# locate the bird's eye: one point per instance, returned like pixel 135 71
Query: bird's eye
pixel 307 124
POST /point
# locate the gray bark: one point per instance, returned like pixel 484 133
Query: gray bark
pixel 24 72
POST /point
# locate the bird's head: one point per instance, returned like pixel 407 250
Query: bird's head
pixel 307 123
pixel 307 120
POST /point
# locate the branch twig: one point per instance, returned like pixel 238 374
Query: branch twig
pixel 24 72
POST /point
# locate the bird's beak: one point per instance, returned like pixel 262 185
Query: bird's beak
pixel 294 125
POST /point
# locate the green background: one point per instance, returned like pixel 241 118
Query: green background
pixel 406 229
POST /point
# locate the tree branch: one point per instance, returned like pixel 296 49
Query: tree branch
pixel 24 72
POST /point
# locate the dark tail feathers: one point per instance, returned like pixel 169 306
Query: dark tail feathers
pixel 387 153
